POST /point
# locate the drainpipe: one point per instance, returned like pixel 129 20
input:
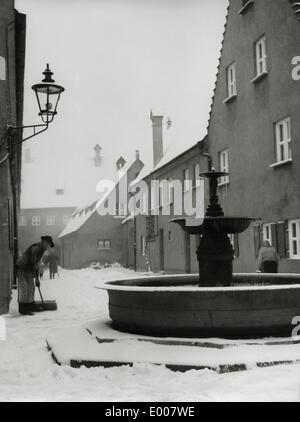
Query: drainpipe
pixel 134 243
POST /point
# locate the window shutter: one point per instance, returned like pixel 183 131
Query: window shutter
pixel 236 245
pixel 287 240
pixel 257 237
pixel 282 241
pixel 274 236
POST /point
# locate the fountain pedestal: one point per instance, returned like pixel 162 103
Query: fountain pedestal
pixel 215 256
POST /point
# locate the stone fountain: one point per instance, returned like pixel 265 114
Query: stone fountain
pixel 220 303
pixel 215 253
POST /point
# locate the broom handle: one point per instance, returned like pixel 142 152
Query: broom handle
pixel 41 295
pixel 39 289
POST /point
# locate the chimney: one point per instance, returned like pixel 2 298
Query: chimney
pixel 137 155
pixel 120 163
pixel 97 157
pixel 157 130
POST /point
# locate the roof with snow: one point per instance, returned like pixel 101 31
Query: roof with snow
pixel 82 214
pixel 176 146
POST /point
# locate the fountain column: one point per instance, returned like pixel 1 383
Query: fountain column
pixel 215 253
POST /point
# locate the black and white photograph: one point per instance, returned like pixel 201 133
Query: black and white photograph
pixel 149 203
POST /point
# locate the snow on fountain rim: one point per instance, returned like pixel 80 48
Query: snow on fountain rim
pixel 188 288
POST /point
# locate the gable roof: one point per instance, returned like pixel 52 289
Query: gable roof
pixel 219 65
pixel 82 214
pixel 174 152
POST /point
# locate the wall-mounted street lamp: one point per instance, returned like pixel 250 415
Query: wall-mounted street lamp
pixel 47 95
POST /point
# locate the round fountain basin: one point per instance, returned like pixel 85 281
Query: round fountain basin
pixel 257 305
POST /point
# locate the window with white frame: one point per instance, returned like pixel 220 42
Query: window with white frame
pixel 231 80
pixel 186 180
pixel 261 56
pixel 294 239
pixel 224 166
pixel 197 177
pixel 171 191
pixel 144 202
pixel 50 221
pixel 2 69
pixel 245 6
pixel 267 233
pixel 283 140
pixel 66 219
pixel 36 220
pixel 143 244
pixel 122 209
pixel 23 220
pixel 161 196
pixel 154 195
pixel 104 244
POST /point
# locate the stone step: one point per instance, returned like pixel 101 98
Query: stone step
pixel 77 347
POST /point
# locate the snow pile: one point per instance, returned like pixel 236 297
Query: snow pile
pixel 27 371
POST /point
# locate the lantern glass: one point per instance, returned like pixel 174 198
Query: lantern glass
pixel 48 95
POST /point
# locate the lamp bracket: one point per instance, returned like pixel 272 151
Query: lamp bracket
pixel 35 129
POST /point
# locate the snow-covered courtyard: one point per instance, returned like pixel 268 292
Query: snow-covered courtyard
pixel 28 373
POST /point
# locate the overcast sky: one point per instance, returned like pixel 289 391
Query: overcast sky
pixel 118 59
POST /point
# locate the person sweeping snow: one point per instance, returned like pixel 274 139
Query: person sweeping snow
pixel 27 266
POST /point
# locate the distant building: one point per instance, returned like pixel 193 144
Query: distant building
pixel 91 237
pixel 254 129
pixel 36 222
pixel 12 60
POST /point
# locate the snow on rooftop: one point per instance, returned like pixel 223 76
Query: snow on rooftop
pixel 175 144
pixel 82 214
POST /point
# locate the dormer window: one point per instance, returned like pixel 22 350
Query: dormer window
pixel 120 163
pixel 97 158
pixel 59 191
pixel 2 69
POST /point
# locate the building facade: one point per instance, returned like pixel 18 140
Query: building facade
pixel 12 59
pixel 37 222
pixel 254 127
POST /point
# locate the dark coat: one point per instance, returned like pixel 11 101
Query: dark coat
pixel 52 262
pixel 31 257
